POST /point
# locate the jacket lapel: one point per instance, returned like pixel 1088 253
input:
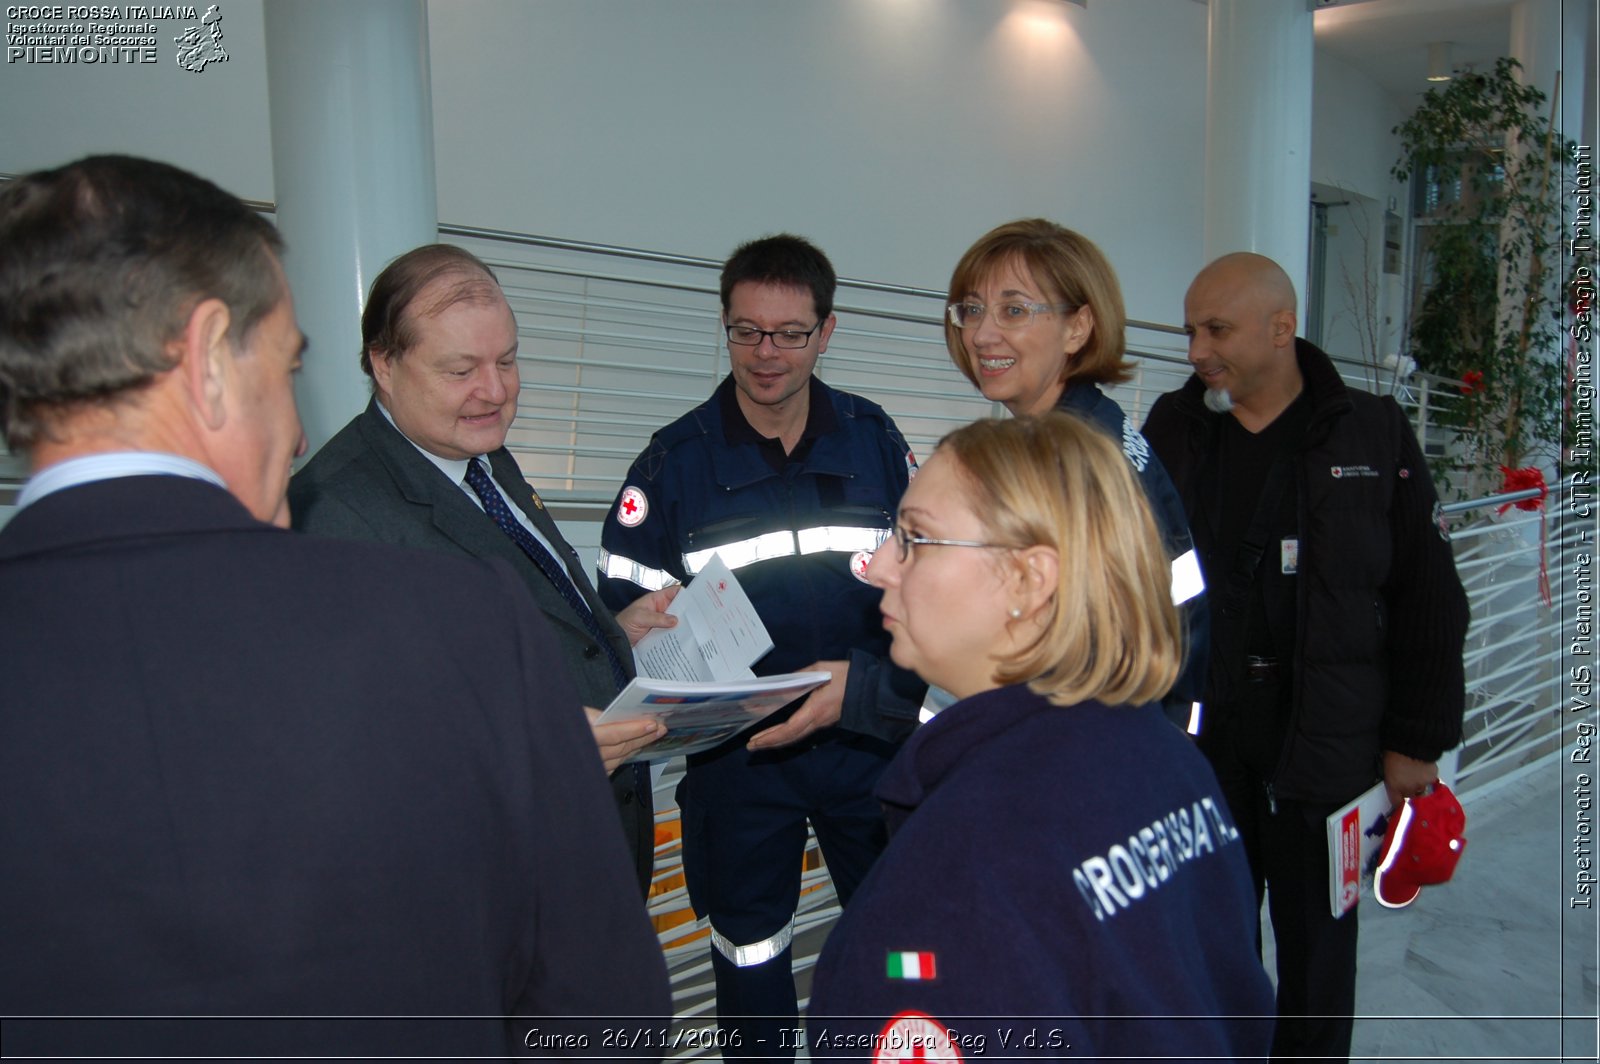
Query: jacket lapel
pixel 454 516
pixel 509 476
pixel 420 482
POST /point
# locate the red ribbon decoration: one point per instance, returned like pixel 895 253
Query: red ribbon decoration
pixel 1523 480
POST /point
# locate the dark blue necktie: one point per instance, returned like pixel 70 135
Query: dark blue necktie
pixel 496 507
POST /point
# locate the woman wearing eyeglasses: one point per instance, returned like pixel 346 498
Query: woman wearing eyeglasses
pixel 1063 877
pixel 1035 322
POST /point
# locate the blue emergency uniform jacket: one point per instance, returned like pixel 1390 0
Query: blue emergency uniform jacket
pixel 1060 881
pixel 798 540
pixel 1088 401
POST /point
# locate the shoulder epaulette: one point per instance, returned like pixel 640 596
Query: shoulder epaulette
pixel 691 426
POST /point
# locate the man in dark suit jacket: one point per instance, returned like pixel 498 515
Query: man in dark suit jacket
pixel 440 344
pixel 245 773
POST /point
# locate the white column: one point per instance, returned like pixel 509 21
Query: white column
pixel 1547 36
pixel 1258 132
pixel 352 168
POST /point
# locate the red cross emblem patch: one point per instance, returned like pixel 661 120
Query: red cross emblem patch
pixel 858 564
pixel 914 1036
pixel 632 507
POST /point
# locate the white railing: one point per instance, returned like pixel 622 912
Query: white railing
pixel 1517 643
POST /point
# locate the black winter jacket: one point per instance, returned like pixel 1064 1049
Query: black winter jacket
pixel 1382 616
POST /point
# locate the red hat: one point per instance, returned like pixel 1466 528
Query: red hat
pixel 1421 847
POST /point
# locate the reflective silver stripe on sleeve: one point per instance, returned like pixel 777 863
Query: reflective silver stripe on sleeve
pixel 1187 580
pixel 618 568
pixel 1196 710
pixel 744 552
pixel 756 952
pixel 845 539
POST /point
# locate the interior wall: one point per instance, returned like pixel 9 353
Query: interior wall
pixel 893 132
pixel 213 122
pixel 1353 148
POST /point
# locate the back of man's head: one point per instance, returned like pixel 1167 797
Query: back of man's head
pixel 388 325
pixel 101 262
pixel 784 260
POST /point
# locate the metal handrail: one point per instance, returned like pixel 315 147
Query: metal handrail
pixel 1515 645
pixel 667 258
pixel 1504 499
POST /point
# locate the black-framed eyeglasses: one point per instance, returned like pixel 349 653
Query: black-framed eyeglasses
pixel 905 541
pixel 749 336
pixel 1012 314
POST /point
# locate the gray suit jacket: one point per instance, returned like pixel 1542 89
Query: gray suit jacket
pixel 369 482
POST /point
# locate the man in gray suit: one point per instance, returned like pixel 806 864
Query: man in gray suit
pixel 425 465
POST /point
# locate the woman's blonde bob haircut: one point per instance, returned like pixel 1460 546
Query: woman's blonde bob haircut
pixel 1110 632
pixel 1073 270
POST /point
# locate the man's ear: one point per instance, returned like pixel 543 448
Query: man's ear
pixel 1283 326
pixel 826 331
pixel 205 359
pixel 382 369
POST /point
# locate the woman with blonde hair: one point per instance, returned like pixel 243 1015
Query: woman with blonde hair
pixel 1036 322
pixel 1058 850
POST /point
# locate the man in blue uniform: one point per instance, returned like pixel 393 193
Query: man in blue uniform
pixel 793 484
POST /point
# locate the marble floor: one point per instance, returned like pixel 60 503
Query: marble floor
pixel 1495 965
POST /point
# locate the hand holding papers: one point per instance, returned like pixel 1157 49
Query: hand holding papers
pixel 696 678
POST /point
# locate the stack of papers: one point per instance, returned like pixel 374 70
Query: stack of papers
pixel 695 677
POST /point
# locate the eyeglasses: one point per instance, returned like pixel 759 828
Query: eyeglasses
pixel 745 336
pixel 1008 315
pixel 905 541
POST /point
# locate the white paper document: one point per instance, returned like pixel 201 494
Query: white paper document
pixel 718 637
pixel 696 678
pixel 1355 832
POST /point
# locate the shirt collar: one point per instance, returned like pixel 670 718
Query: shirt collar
pixel 820 417
pixel 454 469
pixel 111 465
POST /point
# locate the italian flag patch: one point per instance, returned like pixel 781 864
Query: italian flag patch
pixel 911 966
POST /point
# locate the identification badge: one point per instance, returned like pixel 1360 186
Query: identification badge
pixel 1289 555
